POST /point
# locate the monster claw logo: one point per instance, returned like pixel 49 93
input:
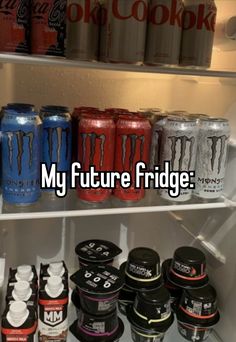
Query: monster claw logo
pixel 184 140
pixel 133 148
pixel 20 135
pixel 93 137
pixel 59 132
pixel 214 140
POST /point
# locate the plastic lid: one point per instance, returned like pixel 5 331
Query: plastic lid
pixel 97 250
pixel 144 256
pixel 189 255
pixel 17 310
pixel 56 268
pixel 160 295
pixel 22 289
pixel 24 272
pixel 55 108
pixel 204 294
pixel 54 284
pixel 98 279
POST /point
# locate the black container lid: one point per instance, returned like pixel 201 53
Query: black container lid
pixel 203 294
pixel 144 256
pixel 98 280
pixel 97 251
pixel 142 269
pixel 188 268
pixel 151 311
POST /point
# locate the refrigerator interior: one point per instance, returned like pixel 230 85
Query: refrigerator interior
pixel 213 230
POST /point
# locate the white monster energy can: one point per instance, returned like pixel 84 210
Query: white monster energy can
pixel 179 148
pixel 214 136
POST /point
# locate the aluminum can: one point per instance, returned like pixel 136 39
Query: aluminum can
pixel 123 32
pixel 21 156
pixel 83 23
pixel 48 27
pixel 179 147
pixel 157 133
pixel 57 137
pixel 15 26
pixel 214 134
pixel 199 21
pixel 133 138
pixel 76 114
pixel 96 143
pixel 164 32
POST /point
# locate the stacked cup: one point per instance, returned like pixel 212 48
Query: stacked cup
pixel 193 299
pixel 98 290
pixel 144 298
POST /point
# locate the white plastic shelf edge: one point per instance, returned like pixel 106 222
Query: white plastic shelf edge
pixel 49 61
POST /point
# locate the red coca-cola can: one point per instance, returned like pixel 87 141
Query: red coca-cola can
pixel 164 32
pixel 199 20
pixel 96 143
pixel 133 138
pixel 123 31
pixel 48 27
pixel 83 24
pixel 15 26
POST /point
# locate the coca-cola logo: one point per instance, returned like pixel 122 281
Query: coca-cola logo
pixel 138 10
pixel 90 12
pixel 23 12
pixel 204 17
pixel 57 13
pixel 8 6
pixel 160 14
pixel 39 9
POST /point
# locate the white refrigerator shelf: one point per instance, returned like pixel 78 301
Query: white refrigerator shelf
pixel 62 62
pixel 52 207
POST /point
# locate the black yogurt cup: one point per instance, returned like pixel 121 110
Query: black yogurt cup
pixel 126 297
pixel 193 333
pixel 188 268
pixel 199 307
pixel 95 252
pixel 175 291
pixel 142 270
pixel 89 328
pixel 140 335
pixel 150 316
pixel 75 298
pixel 197 313
pixel 98 288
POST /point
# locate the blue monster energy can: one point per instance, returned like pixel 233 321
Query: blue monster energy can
pixel 21 154
pixel 57 137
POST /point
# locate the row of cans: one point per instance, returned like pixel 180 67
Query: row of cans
pixel 110 140
pixel 32 305
pixel 157 32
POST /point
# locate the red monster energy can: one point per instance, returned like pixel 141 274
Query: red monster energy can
pixel 96 141
pixel 133 137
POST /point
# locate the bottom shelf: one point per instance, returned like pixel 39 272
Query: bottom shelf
pixel 171 336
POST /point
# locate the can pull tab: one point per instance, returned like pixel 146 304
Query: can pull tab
pixel 2 270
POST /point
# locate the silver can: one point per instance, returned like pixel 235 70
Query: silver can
pixel 199 21
pixel 214 134
pixel 164 32
pixel 123 33
pixel 157 132
pixel 179 147
pixel 83 24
